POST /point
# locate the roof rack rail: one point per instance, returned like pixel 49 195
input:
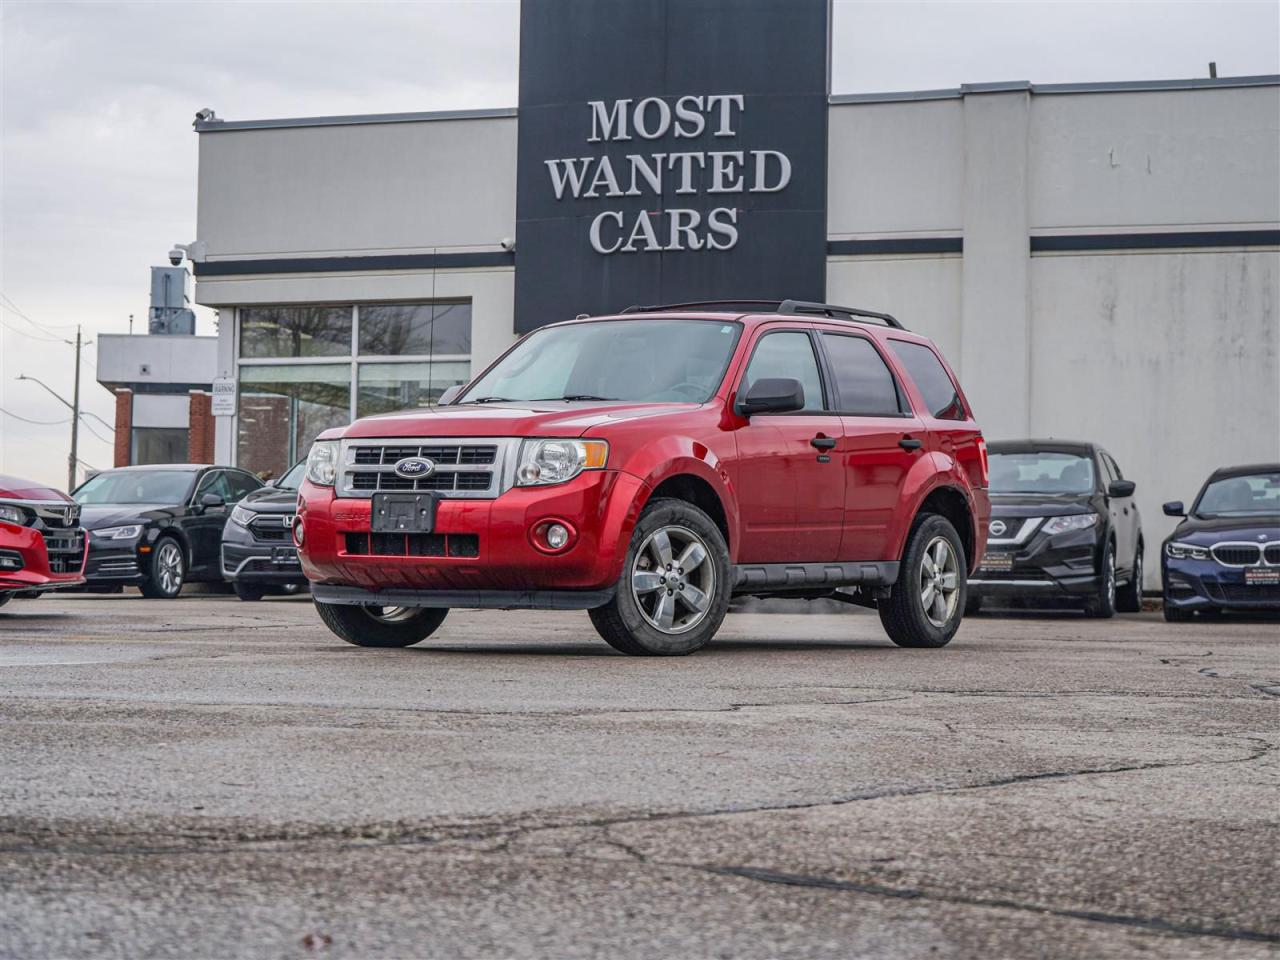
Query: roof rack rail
pixel 787 307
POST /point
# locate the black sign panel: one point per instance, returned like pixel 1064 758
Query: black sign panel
pixel 669 150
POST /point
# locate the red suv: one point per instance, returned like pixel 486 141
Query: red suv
pixel 647 467
pixel 42 546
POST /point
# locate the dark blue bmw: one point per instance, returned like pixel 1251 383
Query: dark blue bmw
pixel 1225 554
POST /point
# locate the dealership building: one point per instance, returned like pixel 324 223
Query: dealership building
pixel 1098 261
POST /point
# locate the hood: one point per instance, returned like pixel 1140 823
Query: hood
pixel 271 500
pixel 98 515
pixel 555 418
pixel 1041 504
pixel 1211 530
pixel 15 488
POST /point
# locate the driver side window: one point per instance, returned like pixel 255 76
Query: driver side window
pixel 215 481
pixel 788 353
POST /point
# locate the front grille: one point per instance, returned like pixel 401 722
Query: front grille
pixel 1272 553
pixel 65 549
pixel 1245 593
pixel 59 516
pixel 413 544
pixel 269 528
pixel 473 468
pixel 1236 554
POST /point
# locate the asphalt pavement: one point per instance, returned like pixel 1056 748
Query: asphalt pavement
pixel 211 778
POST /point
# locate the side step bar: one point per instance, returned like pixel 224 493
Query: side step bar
pixel 771 577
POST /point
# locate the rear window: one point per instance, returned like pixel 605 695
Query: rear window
pixel 863 382
pixel 931 378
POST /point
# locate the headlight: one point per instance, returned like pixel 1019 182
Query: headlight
pixel 1080 521
pixel 322 463
pixel 12 515
pixel 129 532
pixel 555 461
pixel 1186 551
pixel 241 516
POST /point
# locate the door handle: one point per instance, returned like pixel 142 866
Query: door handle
pixel 910 443
pixel 822 443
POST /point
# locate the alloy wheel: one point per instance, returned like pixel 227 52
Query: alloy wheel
pixel 939 581
pixel 169 567
pixel 673 579
pixel 390 614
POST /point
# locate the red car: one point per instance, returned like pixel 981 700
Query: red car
pixel 42 546
pixel 648 467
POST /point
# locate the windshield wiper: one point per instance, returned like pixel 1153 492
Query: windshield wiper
pixel 487 400
pixel 574 396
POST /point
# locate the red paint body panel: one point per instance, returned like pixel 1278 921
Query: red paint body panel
pixel 29 543
pixel 780 502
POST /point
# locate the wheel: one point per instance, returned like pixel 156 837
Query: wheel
pixel 675 584
pixel 972 605
pixel 1129 597
pixel 248 591
pixel 925 605
pixel 168 569
pixel 381 626
pixel 1174 614
pixel 1103 604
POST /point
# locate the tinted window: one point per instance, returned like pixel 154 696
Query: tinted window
pixel 788 354
pixel 1112 467
pixel 415 329
pixel 241 483
pixel 863 381
pixel 931 379
pixel 295 331
pixel 215 481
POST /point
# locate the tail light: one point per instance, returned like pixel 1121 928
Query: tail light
pixel 982 459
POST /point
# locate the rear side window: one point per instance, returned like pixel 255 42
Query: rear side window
pixel 931 378
pixel 787 354
pixel 864 382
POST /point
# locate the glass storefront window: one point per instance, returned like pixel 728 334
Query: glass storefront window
pixel 283 408
pixel 159 445
pixel 295 331
pixel 415 329
pixel 387 387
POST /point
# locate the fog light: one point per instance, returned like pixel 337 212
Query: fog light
pixel 298 534
pixel 557 536
pixel 10 561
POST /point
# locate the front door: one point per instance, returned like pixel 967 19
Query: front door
pixel 204 524
pixel 791 489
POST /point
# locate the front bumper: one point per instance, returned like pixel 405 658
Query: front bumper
pixel 478 545
pixel 113 562
pixel 1065 565
pixel 246 559
pixel 41 569
pixel 1208 585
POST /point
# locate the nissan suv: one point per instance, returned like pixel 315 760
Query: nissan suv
pixel 649 466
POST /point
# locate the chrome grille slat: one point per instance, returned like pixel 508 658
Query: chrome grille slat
pixel 475 468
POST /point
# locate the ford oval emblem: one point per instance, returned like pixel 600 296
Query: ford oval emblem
pixel 411 468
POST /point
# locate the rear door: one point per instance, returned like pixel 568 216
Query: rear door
pixel 791 490
pixel 881 439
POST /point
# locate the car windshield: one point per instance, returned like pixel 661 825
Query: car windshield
pixel 293 479
pixel 1040 472
pixel 641 360
pixel 1257 494
pixel 137 486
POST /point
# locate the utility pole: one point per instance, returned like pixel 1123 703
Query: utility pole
pixel 75 420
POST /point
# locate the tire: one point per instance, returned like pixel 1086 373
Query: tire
pixel 1174 614
pixel 5 598
pixel 248 591
pixel 972 605
pixel 1129 597
pixel 381 626
pixel 1103 603
pixel 633 621
pixel 166 571
pixel 922 610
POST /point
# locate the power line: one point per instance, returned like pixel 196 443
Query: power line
pixel 48 328
pixel 39 423
pixel 23 333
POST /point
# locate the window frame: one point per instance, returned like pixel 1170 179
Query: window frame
pixel 812 334
pixel 904 402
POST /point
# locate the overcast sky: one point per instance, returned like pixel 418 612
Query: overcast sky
pixel 98 159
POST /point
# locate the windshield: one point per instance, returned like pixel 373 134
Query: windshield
pixel 642 360
pixel 1042 472
pixel 293 479
pixel 137 486
pixel 1254 495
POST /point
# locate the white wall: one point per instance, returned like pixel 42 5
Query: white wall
pixel 161 410
pixel 168 359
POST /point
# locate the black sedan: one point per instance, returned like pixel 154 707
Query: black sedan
pixel 1064 526
pixel 158 527
pixel 1225 554
pixel 258 555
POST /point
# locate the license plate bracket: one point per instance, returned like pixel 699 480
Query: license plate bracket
pixel 284 556
pixel 403 513
pixel 1262 576
pixel 996 563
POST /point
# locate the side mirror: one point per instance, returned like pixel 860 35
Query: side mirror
pixel 772 395
pixel 449 395
pixel 1174 508
pixel 1122 488
pixel 211 500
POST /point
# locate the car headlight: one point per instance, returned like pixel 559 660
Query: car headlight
pixel 1186 551
pixel 128 532
pixel 1079 521
pixel 555 461
pixel 12 515
pixel 241 516
pixel 322 463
